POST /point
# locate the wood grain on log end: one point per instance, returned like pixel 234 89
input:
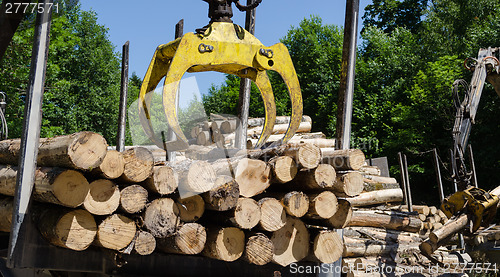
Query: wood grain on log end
pixel 133 199
pixel 247 213
pixel 138 165
pixel 284 169
pixel 112 165
pixel 103 197
pixel 327 247
pixel 224 196
pixel 291 243
pixel 161 217
pixel 144 244
pixel 70 187
pixel 190 208
pixel 253 177
pixel 190 239
pixel 163 181
pixel 322 206
pixel 273 215
pixel 296 203
pixel 224 243
pixel 259 249
pixel 116 232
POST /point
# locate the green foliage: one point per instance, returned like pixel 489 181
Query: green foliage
pixel 82 81
pixel 391 14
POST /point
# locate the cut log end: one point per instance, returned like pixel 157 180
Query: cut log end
pixel 350 159
pixel 69 187
pixel 161 217
pixel 291 243
pixel 252 176
pixel 343 215
pixel 190 239
pixel 190 208
pixel 296 203
pixel 103 197
pixel 273 215
pixel 226 244
pixel 259 249
pixel 323 205
pixel 138 165
pixel 144 244
pixel 224 196
pixel 87 150
pixel 327 247
pixel 284 169
pixel 133 199
pixel 350 183
pixel 247 213
pixel 199 178
pixel 112 165
pixel 163 181
pixel 116 232
pixel 322 177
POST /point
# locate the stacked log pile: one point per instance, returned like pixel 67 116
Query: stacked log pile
pixel 279 205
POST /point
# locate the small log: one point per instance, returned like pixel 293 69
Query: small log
pixel 161 217
pixel 377 197
pixel 138 165
pixel 343 215
pixel 195 131
pixel 259 249
pixel 259 121
pixel 385 235
pixel 190 208
pixel 370 185
pixel 322 177
pixel 190 239
pixel 350 159
pixel 370 170
pixel 273 216
pixel 72 229
pixel 387 220
pixel 349 184
pixel 322 205
pixel 133 199
pixel 112 165
pixel 327 247
pixel 370 248
pixel 200 177
pixel 306 155
pixel 163 181
pixel 421 209
pixel 103 197
pixel 60 186
pixel 82 151
pixel 284 169
pixel 318 141
pixel 304 127
pixel 224 196
pixel 433 210
pixel 228 126
pixel 296 203
pixel 246 215
pixel 204 138
pixel 427 247
pixel 144 243
pixel 115 232
pixel 291 243
pixel 252 176
pixel 224 243
pixel 454 225
pixel 381 180
pixel 6 210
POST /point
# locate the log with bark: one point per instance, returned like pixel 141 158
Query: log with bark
pixel 342 217
pixel 259 121
pixel 370 170
pixel 60 186
pixel 164 180
pixel 291 243
pixel 386 235
pixel 224 243
pixel 305 155
pixel 284 169
pixel 273 215
pixel 188 240
pixel 348 184
pixel 304 127
pixel 161 217
pixel 245 215
pixel 369 248
pixel 133 199
pixel 190 208
pixel 252 176
pixel 296 203
pixel 454 225
pixel 370 185
pixel 103 197
pixel 327 246
pixel 72 229
pixel 139 163
pixel 322 205
pixel 377 197
pixel 83 151
pixel 350 159
pixel 259 249
pixel 198 178
pixel 319 178
pixel 224 196
pixel 386 219
pixel 112 166
pixel 144 243
pixel 115 232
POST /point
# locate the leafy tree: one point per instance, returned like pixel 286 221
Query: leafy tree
pixel 391 14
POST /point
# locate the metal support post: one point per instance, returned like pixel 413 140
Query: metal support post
pixel 122 115
pixel 455 189
pixel 473 166
pixel 245 87
pixel 403 177
pixel 31 131
pixel 438 175
pixel 408 189
pixel 179 31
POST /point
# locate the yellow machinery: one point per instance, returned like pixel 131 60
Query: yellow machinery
pixel 223 47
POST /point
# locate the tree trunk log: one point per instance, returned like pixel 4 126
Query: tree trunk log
pixel 144 243
pixel 273 216
pixel 252 176
pixel 387 220
pixel 304 127
pixel 306 155
pixel 454 225
pixel 377 197
pixel 190 239
pixel 245 215
pixel 327 247
pixel 224 243
pixel 60 186
pixel 284 169
pixel 133 199
pixel 259 121
pixel 138 165
pixel 343 215
pixel 161 217
pixel 112 165
pixel 163 181
pixel 190 208
pixel 103 197
pixel 72 229
pixel 200 177
pixel 83 151
pixel 386 235
pixel 349 184
pixel 370 185
pixel 350 159
pixel 296 203
pixel 115 232
pixel 381 180
pixel 370 170
pixel 322 205
pixel 291 243
pixel 369 248
pixel 259 249
pixel 320 178
pixel 224 196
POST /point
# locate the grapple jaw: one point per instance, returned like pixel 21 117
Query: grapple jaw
pixel 226 48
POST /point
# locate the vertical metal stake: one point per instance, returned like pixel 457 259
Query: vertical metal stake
pixel 179 31
pixel 438 175
pixel 403 177
pixel 245 87
pixel 408 189
pixel 473 166
pixel 455 189
pixel 346 92
pixel 122 115
pixel 31 130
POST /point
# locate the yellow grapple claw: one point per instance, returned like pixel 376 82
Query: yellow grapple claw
pixel 225 48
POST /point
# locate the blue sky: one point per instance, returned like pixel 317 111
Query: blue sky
pixel 147 24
